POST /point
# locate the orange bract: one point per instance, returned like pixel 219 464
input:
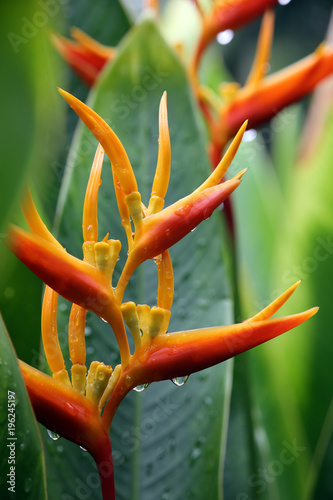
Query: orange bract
pixel 88 283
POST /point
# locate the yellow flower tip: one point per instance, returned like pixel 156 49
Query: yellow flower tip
pixel 106 254
pixel 313 311
pixel 34 221
pixel 321 49
pixel 63 377
pixel 88 248
pixel 162 175
pixel 240 174
pixel 261 62
pixel 219 172
pixel 228 91
pixel 130 315
pixel 274 306
pixel 109 141
pixel 97 381
pixel 89 218
pixel 76 334
pixel 143 311
pixel 110 386
pixel 91 45
pixel 134 205
pixel 78 375
pixel 159 321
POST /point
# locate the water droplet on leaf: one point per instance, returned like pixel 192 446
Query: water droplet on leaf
pixel 180 381
pixel 87 331
pixel 53 435
pixel 27 484
pixel 140 388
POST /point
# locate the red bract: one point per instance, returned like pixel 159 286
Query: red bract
pixel 72 403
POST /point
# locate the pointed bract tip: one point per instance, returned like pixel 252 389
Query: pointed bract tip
pixel 313 311
pixel 240 174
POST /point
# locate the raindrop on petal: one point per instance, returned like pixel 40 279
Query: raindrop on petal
pixel 180 381
pixel 140 388
pixel 53 435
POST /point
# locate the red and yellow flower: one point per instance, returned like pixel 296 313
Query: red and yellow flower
pixel 80 405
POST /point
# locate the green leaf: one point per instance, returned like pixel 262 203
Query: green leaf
pixel 21 455
pixel 29 119
pixel 166 441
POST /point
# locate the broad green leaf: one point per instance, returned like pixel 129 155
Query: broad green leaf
pixel 105 22
pixel 21 454
pixel 29 120
pixel 166 441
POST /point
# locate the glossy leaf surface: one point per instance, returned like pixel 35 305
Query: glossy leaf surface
pixel 167 433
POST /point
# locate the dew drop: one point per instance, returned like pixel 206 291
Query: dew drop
pixel 208 401
pixel 183 210
pixel 140 388
pixel 225 37
pixel 87 331
pixel 83 449
pixel 28 484
pixel 71 409
pixel 180 381
pixel 53 435
pixel 196 453
pixel 128 380
pixel 284 2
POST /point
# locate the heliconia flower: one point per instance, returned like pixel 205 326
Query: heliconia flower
pixel 80 405
pixel 86 56
pixel 263 96
pixel 227 15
